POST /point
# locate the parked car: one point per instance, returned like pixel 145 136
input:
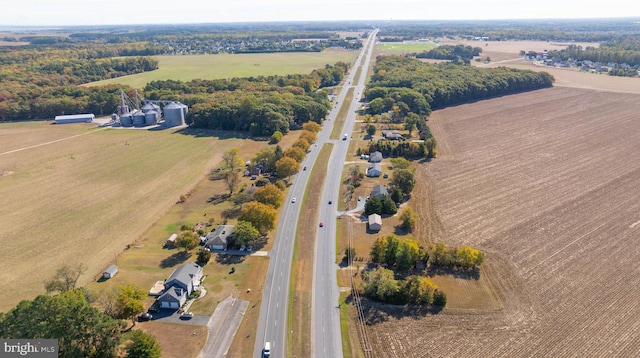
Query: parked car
pixel 186 315
pixel 153 309
pixel 249 248
pixel 242 248
pixel 145 317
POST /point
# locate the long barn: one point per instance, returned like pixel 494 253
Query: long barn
pixel 75 118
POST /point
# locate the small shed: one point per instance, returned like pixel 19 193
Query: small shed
pixel 375 222
pixel 110 272
pixel 171 241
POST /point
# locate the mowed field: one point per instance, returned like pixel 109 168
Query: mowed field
pixel 189 67
pixel 76 193
pixel 547 184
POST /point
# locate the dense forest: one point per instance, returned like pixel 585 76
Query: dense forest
pixel 260 105
pixel 418 87
pixel 449 52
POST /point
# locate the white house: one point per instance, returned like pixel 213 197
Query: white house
pixel 375 222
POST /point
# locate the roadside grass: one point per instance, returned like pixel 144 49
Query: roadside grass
pixel 189 67
pixel 300 297
pixel 191 338
pixel 337 131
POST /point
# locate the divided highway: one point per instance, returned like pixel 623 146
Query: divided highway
pixel 272 325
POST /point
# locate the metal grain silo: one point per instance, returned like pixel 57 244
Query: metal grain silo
pixel 150 118
pixel 173 114
pixel 148 107
pixel 126 120
pixel 138 118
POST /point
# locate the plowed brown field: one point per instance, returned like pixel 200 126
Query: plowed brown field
pixel 548 184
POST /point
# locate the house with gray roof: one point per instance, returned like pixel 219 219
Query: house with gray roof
pixel 182 282
pixel 375 222
pixel 219 238
pixel 375 157
pixel 379 191
pixel 374 170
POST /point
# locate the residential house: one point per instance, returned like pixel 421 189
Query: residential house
pixel 391 135
pixel 375 222
pixel 375 157
pixel 379 191
pixel 374 170
pixel 219 238
pixel 182 282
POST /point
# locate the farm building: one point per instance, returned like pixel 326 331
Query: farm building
pixel 110 272
pixel 171 241
pixel 75 118
pixel 375 222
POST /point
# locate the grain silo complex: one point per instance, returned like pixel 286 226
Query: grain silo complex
pixel 130 114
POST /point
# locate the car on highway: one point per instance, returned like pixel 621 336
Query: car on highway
pixel 305 168
pixel 293 200
pixel 145 317
pixel 330 202
pixel 321 224
pixel 186 315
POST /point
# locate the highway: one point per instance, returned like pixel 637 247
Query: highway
pixel 272 325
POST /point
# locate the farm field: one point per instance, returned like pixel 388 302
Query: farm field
pixel 76 193
pixel 547 184
pixel 189 67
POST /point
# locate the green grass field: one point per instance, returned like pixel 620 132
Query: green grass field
pixel 77 193
pixel 190 67
pixel 399 47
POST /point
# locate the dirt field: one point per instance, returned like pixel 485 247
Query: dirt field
pixel 547 183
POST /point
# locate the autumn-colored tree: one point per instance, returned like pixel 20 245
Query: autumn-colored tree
pixel 276 137
pixel 408 218
pixel 261 216
pixel 400 163
pixel 296 153
pixel 232 163
pixel 411 122
pixel 269 194
pixel 129 301
pixel 302 143
pixel 431 145
pixel 287 166
pixel 309 136
pixel 188 240
pixel 312 127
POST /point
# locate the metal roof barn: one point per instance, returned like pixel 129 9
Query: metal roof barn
pixel 75 118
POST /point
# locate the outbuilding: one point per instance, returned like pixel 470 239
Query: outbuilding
pixel 75 118
pixel 375 157
pixel 110 272
pixel 375 222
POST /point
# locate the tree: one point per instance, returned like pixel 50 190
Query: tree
pixel 129 301
pixel 269 194
pixel 373 206
pixel 400 163
pixel 431 145
pixel 261 216
pixel 349 254
pixel 388 206
pixel 81 330
pixel 371 130
pixel 188 240
pixel 408 218
pixel 65 278
pixel 312 127
pixel 296 153
pixel 439 298
pixel 142 345
pixel 411 122
pixel 285 167
pixel 276 137
pixel 403 179
pixel 309 136
pixel 302 144
pixel 396 195
pixel 267 157
pixel 407 254
pixel 203 257
pixel 232 160
pixel 245 233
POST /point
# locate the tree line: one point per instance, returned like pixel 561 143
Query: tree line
pixel 450 52
pixel 447 84
pixel 627 51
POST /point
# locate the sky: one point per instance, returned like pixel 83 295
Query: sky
pixel 123 12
